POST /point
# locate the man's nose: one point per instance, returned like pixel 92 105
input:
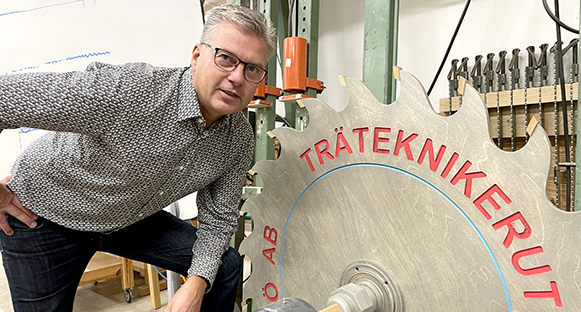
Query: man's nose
pixel 237 75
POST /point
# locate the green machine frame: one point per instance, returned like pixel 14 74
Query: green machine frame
pixel 381 28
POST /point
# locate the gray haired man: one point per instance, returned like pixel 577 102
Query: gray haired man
pixel 127 141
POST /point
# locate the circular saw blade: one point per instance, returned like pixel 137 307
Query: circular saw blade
pixel 456 223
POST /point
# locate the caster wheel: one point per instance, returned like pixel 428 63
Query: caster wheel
pixel 128 295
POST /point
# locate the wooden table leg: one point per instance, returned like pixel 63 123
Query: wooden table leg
pixel 127 280
pixel 153 287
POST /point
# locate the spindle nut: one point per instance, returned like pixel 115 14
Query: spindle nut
pixel 352 298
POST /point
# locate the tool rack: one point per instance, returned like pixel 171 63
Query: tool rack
pixel 513 102
pixel 547 102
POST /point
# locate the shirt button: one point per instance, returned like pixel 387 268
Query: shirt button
pixel 161 193
pixel 140 215
pixel 200 120
pixel 181 168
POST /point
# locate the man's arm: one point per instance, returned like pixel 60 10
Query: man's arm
pixel 189 296
pixel 218 217
pixel 81 102
pixel 218 212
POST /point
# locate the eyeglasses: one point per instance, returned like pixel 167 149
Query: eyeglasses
pixel 228 62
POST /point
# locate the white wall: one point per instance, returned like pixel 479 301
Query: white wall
pixel 341 25
pixel 59 36
pixel 489 26
pixel 425 29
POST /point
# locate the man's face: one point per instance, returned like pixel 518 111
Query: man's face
pixel 221 92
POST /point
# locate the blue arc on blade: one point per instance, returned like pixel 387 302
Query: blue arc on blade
pixel 417 178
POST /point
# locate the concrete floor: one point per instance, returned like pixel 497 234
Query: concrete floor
pixel 105 296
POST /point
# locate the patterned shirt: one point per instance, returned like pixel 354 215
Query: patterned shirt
pixel 130 141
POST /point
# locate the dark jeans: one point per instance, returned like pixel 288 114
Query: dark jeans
pixel 44 265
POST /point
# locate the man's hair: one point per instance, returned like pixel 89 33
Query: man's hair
pixel 245 19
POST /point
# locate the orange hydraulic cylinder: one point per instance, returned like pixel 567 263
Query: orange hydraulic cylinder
pixel 261 90
pixel 294 74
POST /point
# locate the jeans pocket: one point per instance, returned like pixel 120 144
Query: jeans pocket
pixel 19 226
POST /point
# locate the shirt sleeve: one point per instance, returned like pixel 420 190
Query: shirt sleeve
pixel 218 213
pixel 80 102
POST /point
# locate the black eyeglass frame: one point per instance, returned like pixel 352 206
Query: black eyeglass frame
pixel 216 49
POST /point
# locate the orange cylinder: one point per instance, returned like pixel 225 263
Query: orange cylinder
pixel 294 74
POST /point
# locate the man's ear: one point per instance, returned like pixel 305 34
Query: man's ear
pixel 195 55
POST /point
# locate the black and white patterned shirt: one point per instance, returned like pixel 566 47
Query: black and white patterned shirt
pixel 130 141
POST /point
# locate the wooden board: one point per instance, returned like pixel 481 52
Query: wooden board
pixel 546 95
pixel 101 267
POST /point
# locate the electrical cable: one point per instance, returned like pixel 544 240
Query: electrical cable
pixel 203 13
pixel 449 46
pixel 279 118
pixel 297 18
pixel 246 279
pixel 279 61
pixel 165 278
pixel 557 19
pixel 290 14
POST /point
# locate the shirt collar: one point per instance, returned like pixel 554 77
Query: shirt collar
pixel 189 106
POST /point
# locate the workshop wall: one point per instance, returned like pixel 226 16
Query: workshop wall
pixel 425 30
pixel 341 27
pixel 58 36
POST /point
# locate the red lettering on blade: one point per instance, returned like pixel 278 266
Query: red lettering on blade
pixel 552 294
pixel 405 144
pixel 529 252
pixel 377 139
pixel 462 175
pixel 429 149
pixel 487 196
pixel 510 222
pixel 323 151
pixel 270 234
pixel 360 132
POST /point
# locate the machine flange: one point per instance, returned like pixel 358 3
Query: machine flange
pixel 373 276
pixel 460 224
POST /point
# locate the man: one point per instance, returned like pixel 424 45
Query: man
pixel 131 139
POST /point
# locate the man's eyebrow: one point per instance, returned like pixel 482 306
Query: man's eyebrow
pixel 248 62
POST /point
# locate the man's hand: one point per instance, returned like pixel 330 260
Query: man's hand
pixel 189 297
pixel 9 204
